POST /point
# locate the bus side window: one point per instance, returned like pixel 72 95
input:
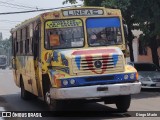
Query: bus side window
pixel 17 47
pixel 27 46
pixel 14 39
pixel 18 42
pixel 36 40
pixel 27 41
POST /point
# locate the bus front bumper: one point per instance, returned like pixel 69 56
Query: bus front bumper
pixel 96 91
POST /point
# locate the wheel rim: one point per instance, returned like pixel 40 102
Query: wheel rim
pixel 47 98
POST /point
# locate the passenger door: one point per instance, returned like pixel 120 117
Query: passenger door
pixel 37 60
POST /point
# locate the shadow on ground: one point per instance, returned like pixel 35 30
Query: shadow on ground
pixel 13 102
pixel 147 93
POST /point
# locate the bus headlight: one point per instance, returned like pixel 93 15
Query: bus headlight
pixel 65 82
pixel 132 76
pixel 126 77
pixel 72 81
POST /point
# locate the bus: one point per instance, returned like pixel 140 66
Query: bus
pixel 74 54
pixel 3 61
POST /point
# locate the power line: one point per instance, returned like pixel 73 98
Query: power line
pixel 13 7
pixel 35 10
pixel 4 29
pixel 8 21
pixel 18 5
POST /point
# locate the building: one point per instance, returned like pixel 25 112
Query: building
pixel 142 54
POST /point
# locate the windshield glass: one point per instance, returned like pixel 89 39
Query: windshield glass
pixel 64 34
pixel 104 31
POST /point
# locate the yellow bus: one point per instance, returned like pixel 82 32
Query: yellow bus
pixel 74 54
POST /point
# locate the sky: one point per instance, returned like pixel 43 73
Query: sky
pixel 10 21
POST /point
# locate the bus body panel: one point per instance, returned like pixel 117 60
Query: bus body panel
pixel 87 63
pixel 25 70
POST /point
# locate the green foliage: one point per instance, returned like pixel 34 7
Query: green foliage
pixel 93 2
pixel 138 14
pixel 70 1
pixel 120 4
pixel 5 45
pixel 86 2
pixel 148 16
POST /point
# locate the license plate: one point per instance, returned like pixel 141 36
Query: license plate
pixel 124 88
pixel 102 89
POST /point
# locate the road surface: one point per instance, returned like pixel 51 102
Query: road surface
pixel 147 100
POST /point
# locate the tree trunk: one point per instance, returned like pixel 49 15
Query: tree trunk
pixel 154 47
pixel 130 40
pixel 131 51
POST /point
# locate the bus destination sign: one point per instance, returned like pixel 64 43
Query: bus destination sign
pixel 83 12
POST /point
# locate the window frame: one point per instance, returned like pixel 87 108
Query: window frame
pixel 104 45
pixel 66 27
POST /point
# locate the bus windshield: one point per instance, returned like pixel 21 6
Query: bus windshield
pixel 64 34
pixel 103 31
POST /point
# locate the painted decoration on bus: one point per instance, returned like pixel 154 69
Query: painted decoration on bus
pixel 89 56
pixel 93 64
pixel 83 12
pixel 63 23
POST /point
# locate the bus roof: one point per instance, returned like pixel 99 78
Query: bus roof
pixel 71 12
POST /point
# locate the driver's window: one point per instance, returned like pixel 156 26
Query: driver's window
pixel 54 39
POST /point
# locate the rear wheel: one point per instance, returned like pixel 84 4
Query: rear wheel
pixel 25 95
pixel 123 103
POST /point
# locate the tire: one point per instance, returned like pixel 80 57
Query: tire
pixel 123 103
pixel 52 104
pixel 25 95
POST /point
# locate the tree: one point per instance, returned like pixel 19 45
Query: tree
pixel 6 44
pixel 5 48
pixel 125 6
pixel 144 13
pixel 148 16
pixel 86 2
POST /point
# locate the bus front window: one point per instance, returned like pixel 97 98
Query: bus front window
pixel 64 34
pixel 104 31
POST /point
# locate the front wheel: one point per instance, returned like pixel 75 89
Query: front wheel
pixel 52 104
pixel 123 103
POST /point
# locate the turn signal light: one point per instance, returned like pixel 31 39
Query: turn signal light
pixel 136 75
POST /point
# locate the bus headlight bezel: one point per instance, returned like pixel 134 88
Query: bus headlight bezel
pixel 65 82
pixel 72 81
pixel 126 76
pixel 132 76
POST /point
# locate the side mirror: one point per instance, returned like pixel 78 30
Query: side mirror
pixel 126 53
pixel 130 63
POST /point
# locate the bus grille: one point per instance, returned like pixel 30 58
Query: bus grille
pixel 108 64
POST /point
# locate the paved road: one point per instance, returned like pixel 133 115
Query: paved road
pixel 147 100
